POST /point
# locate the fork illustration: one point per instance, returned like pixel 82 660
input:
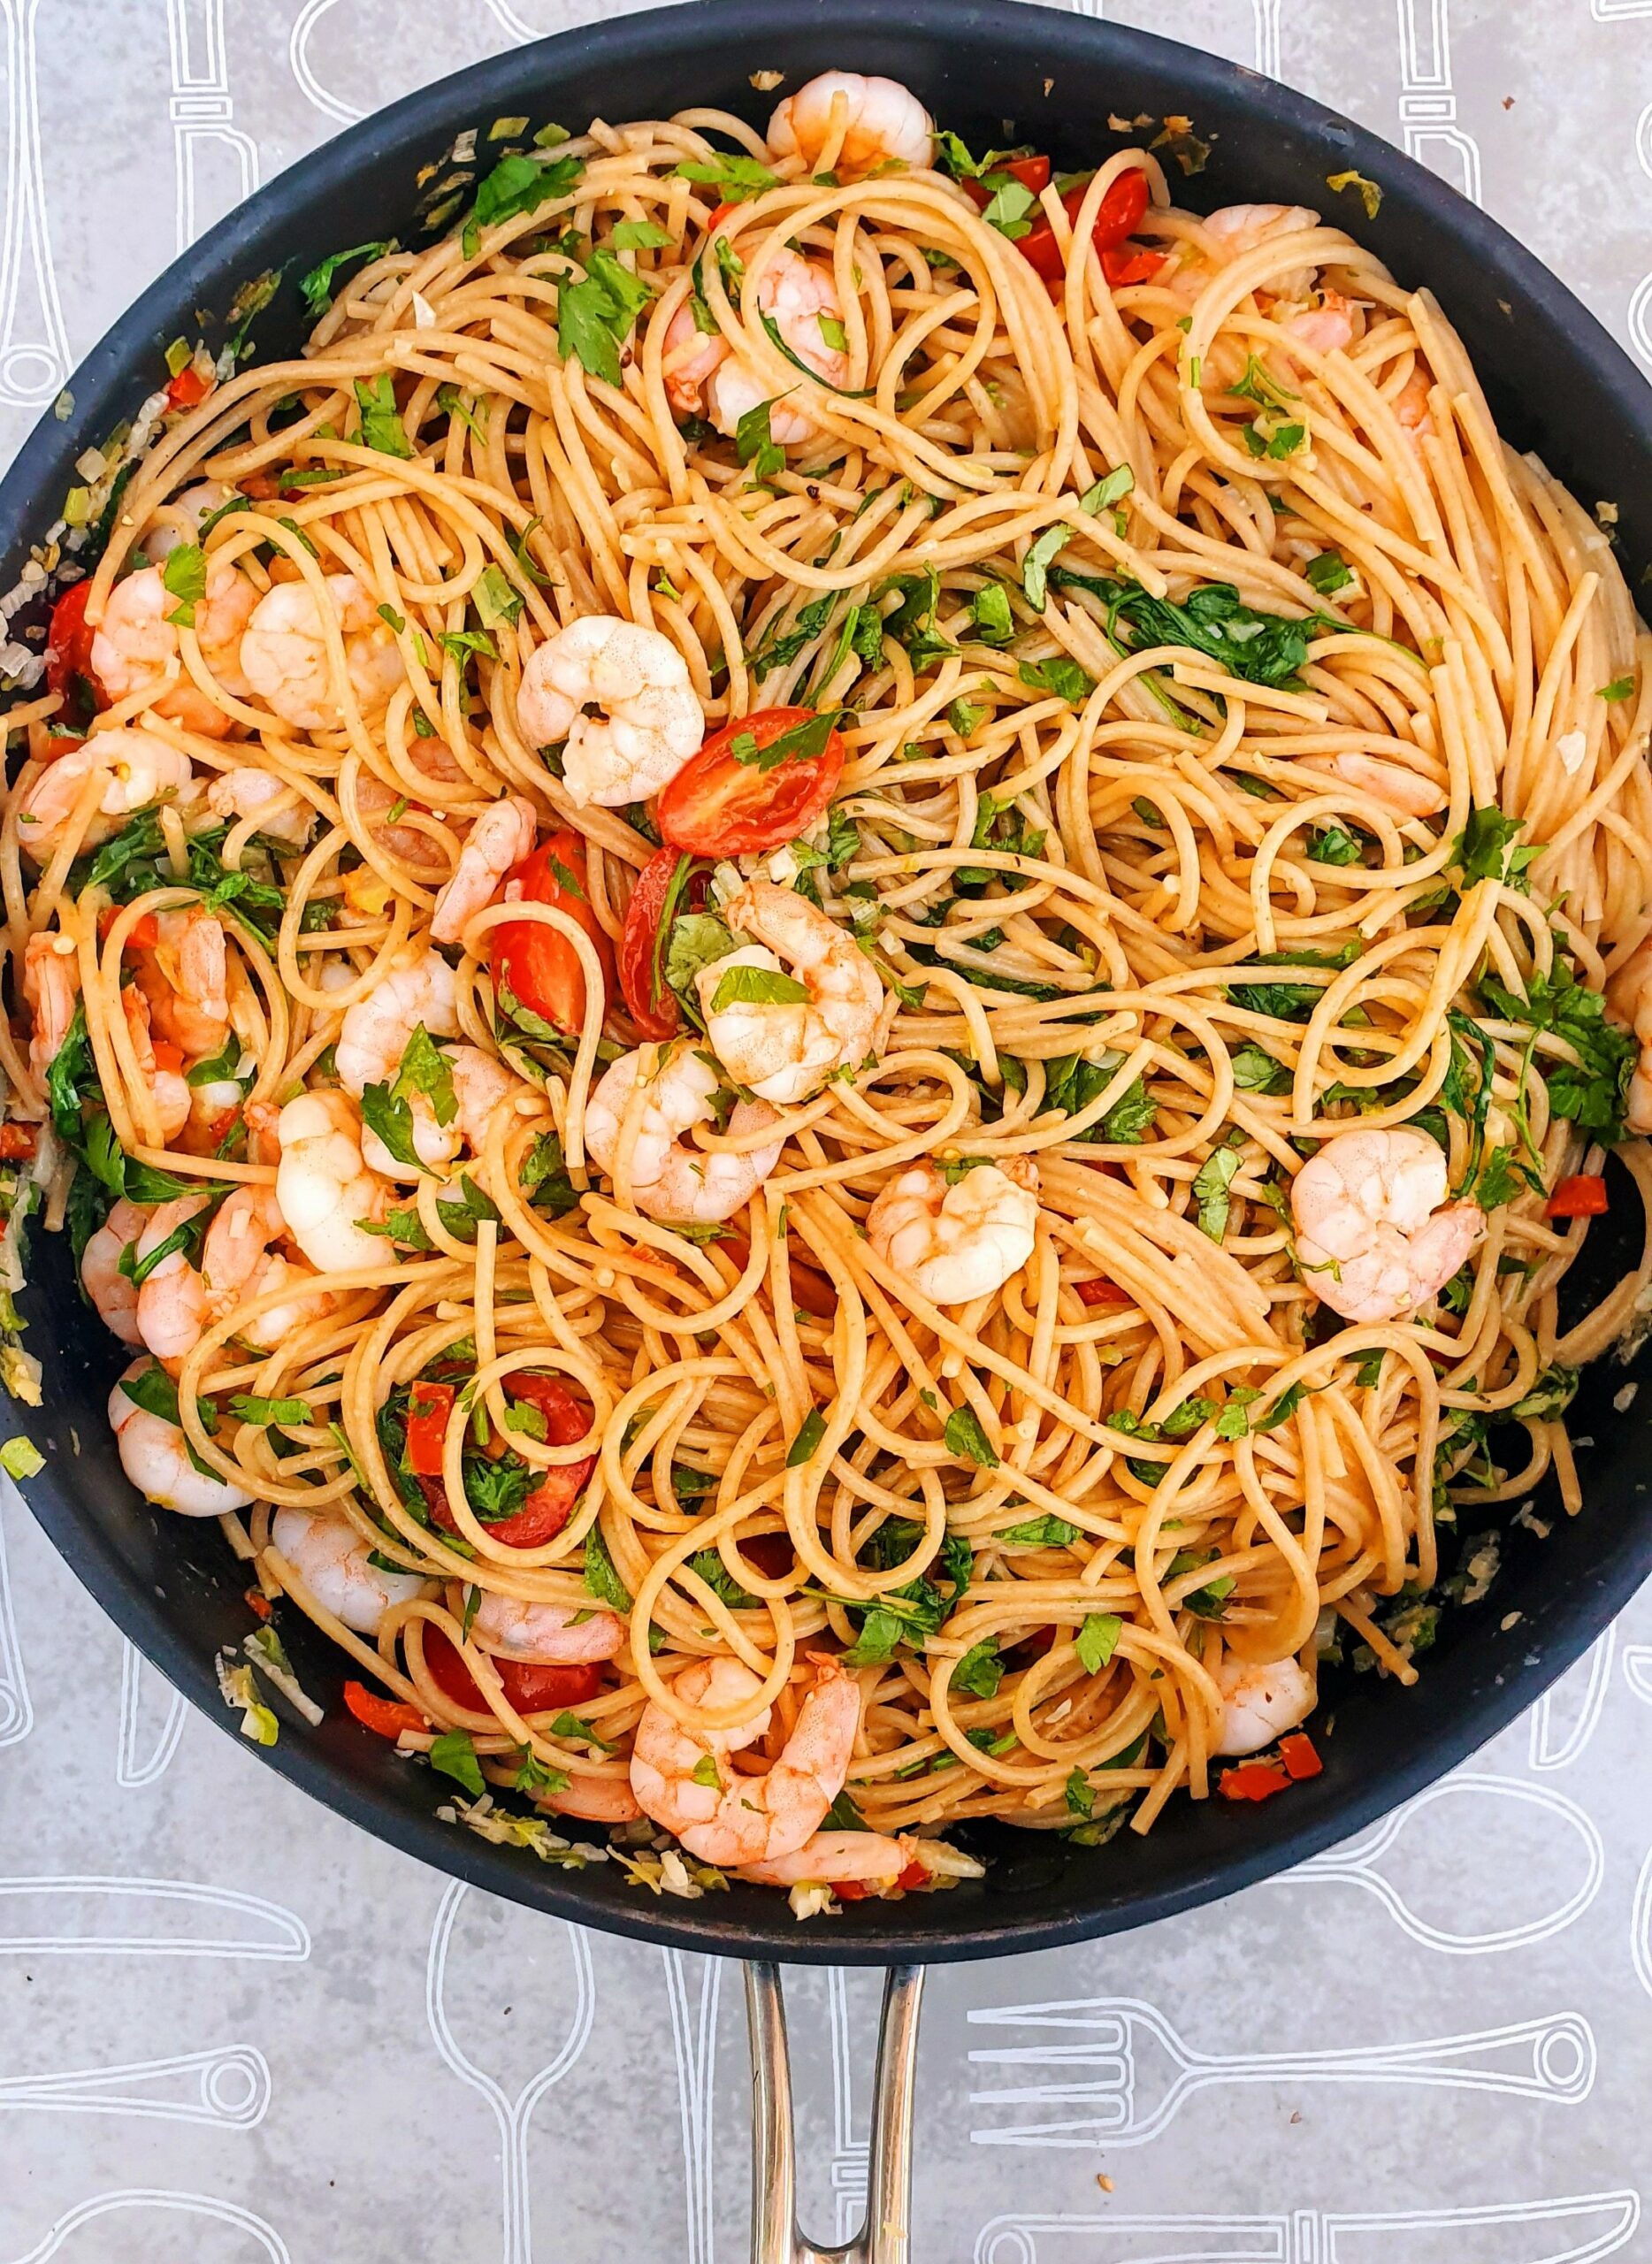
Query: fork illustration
pixel 1137 2071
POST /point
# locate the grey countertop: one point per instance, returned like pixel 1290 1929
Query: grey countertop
pixel 234 2029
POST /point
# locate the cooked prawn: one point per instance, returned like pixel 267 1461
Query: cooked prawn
pixel 280 809
pixel 1259 1703
pixel 184 975
pixel 545 1634
pixel 800 299
pixel 869 121
pixel 110 1291
pixel 1228 234
pixel 135 644
pixel 1629 1003
pixel 741 1820
pixel 180 520
pixel 500 838
pixel 648 720
pixel 324 1187
pixel 160 1065
pixel 51 984
pixel 1406 792
pixel 178 1301
pixel 284 653
pixel 867 1858
pixel 137 767
pixel 786 1052
pixel 1375 1236
pixel 1328 327
pixel 330 1559
pixel 596 1799
pixel 688 357
pixel 156 1458
pixel 417 988
pixel 173 1301
pixel 956 1243
pixel 670 1178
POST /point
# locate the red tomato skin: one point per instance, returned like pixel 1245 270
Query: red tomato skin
pixel 429 1406
pixel 1101 1293
pixel 1301 1756
pixel 17 1142
pixel 1253 1780
pixel 1121 211
pixel 530 1689
pixel 851 1890
pixel 656 1015
pixel 1583 1196
pixel 69 642
pixel 914 1876
pixel 550 1505
pixel 385 1716
pixel 718 806
pixel 539 965
pixel 188 388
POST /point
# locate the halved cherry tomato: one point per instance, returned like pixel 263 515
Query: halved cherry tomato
pixel 188 387
pixel 429 1406
pixel 851 1890
pixel 1253 1780
pixel 719 216
pixel 258 1603
pixel 69 643
pixel 385 1716
pixel 1121 214
pixel 17 1142
pixel 168 1056
pixel 1581 1197
pixel 914 1876
pixel 1032 173
pixel 540 966
pixel 1300 1756
pixel 1103 1292
pixel 1129 263
pixel 531 1689
pixel 811 1290
pixel 719 806
pixel 652 1005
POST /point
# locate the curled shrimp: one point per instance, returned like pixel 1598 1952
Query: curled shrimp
pixel 500 838
pixel 657 1094
pixel 180 520
pixel 1375 1236
pixel 833 1858
pixel 281 814
pixel 872 120
pixel 741 1820
pixel 137 767
pixel 160 1065
pixel 596 1799
pixel 545 1634
pixel 1629 1004
pixel 648 721
pixel 1403 792
pixel 785 1052
pixel 1229 233
pixel 179 1300
pixel 800 299
pixel 956 1243
pixel 1330 326
pixel 155 1455
pixel 51 984
pixel 1259 1703
pixel 135 644
pixel 112 1292
pixel 323 1184
pixel 284 653
pixel 416 989
pixel 184 975
pixel 689 356
pixel 330 1559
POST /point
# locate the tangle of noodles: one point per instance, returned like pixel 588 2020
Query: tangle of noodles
pixel 1245 747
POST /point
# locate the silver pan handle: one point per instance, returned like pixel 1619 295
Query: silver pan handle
pixel 885 2236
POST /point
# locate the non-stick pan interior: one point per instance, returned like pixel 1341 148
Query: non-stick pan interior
pixel 997 72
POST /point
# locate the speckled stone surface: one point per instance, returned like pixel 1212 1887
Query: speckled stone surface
pixel 234 2029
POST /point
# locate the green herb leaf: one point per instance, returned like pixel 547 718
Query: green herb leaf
pixel 495 598
pixel 381 420
pixel 1062 675
pixel 516 185
pixel 1112 489
pixel 601 1580
pixel 758 986
pixel 811 1431
pixel 989 613
pixel 1622 687
pixel 1036 566
pixel 270 1411
pixel 184 576
pixel 453 1754
pixel 1485 849
pixel 1045 1532
pixel 317 285
pixel 964 1435
pixel 980 1671
pixel 734 176
pixel 1328 573
pixel 1097 1640
pixel 641 235
pixel 1214 1178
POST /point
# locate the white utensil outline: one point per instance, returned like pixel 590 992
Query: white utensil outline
pixel 131 1773
pixel 1267 36
pixel 1639 315
pixel 512 2115
pixel 1112 2047
pixel 26 218
pixel 1427 97
pixel 294 1949
pixel 96 2090
pixel 694 2042
pixel 17 1711
pixel 1638 1656
pixel 1596 1670
pixel 201 109
pixel 1307 2235
pixel 135 2196
pixel 1351 1867
pixel 298 57
pixel 1640 1927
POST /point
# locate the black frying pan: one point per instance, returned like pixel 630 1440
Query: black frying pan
pixel 999 72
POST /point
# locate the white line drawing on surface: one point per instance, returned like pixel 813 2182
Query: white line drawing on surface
pixel 194 2205
pixel 227 2087
pixel 850 2155
pixel 202 111
pixel 133 1768
pixel 512 2114
pixel 1637 1667
pixel 1619 11
pixel 17 1711
pixel 1580 1694
pixel 510 22
pixel 1640 1927
pixel 1267 36
pixel 145 1905
pixel 1318 2236
pixel 1428 100
pixel 1640 300
pixel 298 55
pixel 35 357
pixel 1355 1865
pixel 694 2041
pixel 1133 2094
